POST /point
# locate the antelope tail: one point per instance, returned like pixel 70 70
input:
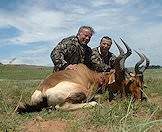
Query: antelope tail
pixel 27 108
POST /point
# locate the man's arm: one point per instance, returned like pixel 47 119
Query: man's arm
pixel 61 51
pixel 57 56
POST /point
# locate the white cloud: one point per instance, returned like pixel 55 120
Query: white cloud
pixel 35 25
pixel 33 60
pixel 97 3
pixel 122 2
pixel 38 23
pixel 39 55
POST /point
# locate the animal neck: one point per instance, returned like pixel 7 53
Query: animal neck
pixel 103 78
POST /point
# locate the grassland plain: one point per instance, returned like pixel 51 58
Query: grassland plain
pixel 17 83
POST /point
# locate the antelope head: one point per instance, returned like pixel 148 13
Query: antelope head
pixel 135 82
pixel 118 85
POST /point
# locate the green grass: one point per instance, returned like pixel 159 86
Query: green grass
pixel 153 79
pixel 23 72
pixel 18 83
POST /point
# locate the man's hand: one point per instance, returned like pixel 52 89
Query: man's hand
pixel 71 67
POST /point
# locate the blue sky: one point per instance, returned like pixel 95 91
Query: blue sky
pixel 30 29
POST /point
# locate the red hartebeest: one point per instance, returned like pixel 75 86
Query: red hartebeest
pixel 68 89
pixel 125 82
pixel 134 83
pixel 118 85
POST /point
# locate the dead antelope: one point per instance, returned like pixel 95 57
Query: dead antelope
pixel 134 83
pixel 118 85
pixel 125 82
pixel 67 89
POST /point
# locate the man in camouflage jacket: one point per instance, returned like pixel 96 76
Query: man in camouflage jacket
pixel 73 50
pixel 102 58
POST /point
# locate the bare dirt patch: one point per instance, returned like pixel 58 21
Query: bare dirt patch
pixel 39 125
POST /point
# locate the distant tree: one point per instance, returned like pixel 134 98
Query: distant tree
pixel 1 63
pixel 154 67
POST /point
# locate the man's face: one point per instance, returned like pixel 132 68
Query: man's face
pixel 105 44
pixel 84 36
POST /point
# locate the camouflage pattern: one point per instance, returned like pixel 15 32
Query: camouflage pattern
pixel 69 51
pixel 100 63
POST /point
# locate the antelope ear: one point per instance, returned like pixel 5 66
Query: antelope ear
pixel 112 77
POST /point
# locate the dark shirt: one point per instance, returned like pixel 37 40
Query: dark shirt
pixel 69 51
pixel 102 63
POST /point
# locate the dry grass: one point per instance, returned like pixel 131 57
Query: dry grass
pixel 119 115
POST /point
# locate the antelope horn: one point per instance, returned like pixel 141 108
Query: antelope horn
pixel 126 55
pixel 118 58
pixel 143 68
pixel 120 49
pixel 129 51
pixel 137 70
pixel 127 75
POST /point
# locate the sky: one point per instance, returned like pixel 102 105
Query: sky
pixel 30 29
